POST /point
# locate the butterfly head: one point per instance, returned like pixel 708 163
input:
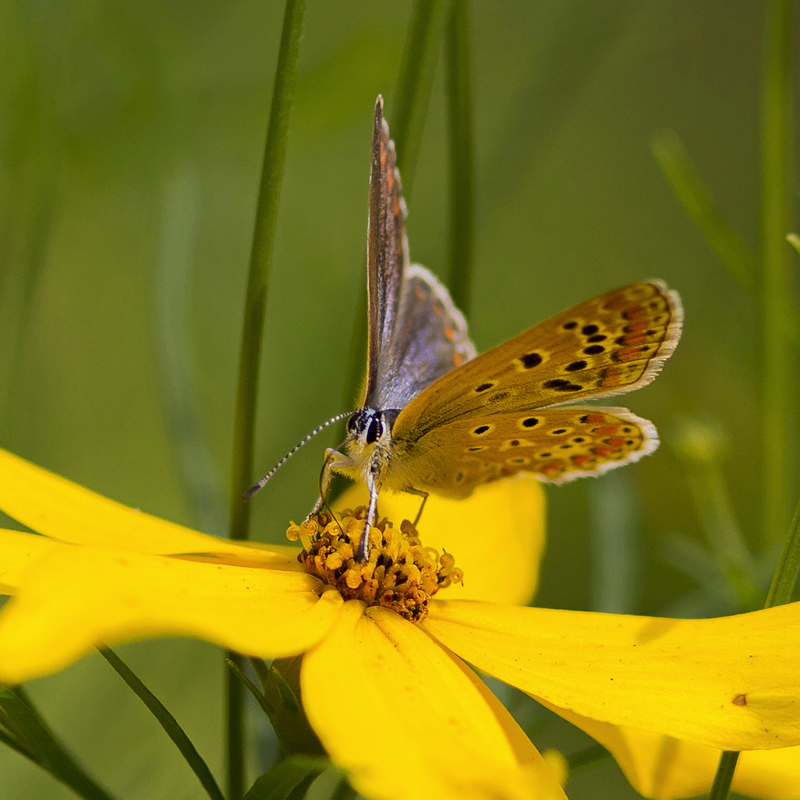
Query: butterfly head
pixel 370 431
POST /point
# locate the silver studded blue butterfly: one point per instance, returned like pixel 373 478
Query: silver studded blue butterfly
pixel 433 417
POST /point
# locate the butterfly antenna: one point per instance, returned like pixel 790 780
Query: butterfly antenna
pixel 261 483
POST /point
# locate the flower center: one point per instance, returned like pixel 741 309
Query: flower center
pixel 401 574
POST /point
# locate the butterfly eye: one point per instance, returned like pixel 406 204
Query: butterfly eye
pixel 374 430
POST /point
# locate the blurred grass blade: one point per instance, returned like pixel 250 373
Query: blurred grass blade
pixel 786 572
pixel 794 241
pixel 417 70
pixel 696 199
pixel 775 284
pixel 548 94
pixel 42 746
pixel 462 166
pixel 9 741
pixel 289 778
pixel 616 558
pixel 774 293
pixel 255 306
pixel 700 446
pixel 167 722
pixel 175 350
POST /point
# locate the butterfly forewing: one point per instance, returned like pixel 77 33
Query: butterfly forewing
pixel 387 250
pixel 608 345
pixel 555 444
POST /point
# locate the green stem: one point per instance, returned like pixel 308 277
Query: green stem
pixel 462 169
pixel 775 279
pixel 722 780
pixel 774 313
pixel 252 330
pixel 414 84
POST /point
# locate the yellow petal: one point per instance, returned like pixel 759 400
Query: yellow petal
pixel 732 683
pixel 76 598
pixel 663 768
pixel 17 552
pixel 401 716
pixel 497 535
pixel 59 508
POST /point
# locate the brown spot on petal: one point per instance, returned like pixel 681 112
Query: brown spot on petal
pixel 740 700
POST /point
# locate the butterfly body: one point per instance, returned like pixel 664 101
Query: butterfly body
pixel 433 417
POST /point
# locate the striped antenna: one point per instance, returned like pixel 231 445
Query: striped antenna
pixel 256 486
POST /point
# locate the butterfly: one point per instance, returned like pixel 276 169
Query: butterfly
pixel 435 417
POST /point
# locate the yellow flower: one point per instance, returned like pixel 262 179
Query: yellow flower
pixel 391 700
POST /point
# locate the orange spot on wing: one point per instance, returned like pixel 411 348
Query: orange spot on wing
pixel 634 312
pixel 594 419
pixel 579 461
pixel 449 333
pixel 615 441
pixel 603 452
pixel 627 353
pixel 553 469
pixel 637 338
pixel 636 327
pixel 616 303
pixel 606 431
pixel 458 359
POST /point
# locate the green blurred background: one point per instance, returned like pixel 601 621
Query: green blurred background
pixel 132 137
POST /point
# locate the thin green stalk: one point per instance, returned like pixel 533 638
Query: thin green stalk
pixel 255 303
pixel 462 168
pixel 775 116
pixel 252 331
pixel 780 591
pixel 722 780
pixel 428 20
pixel 730 247
pixel 775 278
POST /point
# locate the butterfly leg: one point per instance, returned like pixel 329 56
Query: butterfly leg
pixel 372 510
pixel 334 460
pixel 424 496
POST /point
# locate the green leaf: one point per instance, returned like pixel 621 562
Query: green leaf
pixel 167 722
pixel 280 701
pixel 289 778
pixel 35 740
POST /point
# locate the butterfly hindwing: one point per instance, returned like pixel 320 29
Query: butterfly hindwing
pixel 555 444
pixel 429 340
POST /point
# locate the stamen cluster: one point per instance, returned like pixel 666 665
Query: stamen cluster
pixel 401 573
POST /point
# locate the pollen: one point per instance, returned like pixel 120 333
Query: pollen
pixel 401 574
